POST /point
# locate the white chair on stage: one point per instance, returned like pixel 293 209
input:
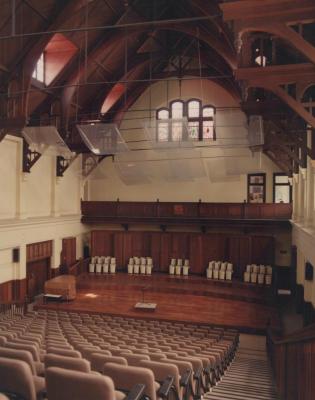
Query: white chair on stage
pixel 268 279
pixel 247 276
pixel 130 268
pixel 106 267
pixel 178 269
pixel 93 260
pixel 91 268
pixel 253 277
pixel 112 266
pixel 136 268
pixel 216 269
pixel 211 264
pixel 171 269
pixel 269 270
pixel 248 268
pixel 209 273
pixel 223 266
pixel 148 269
pixel 255 269
pixel 142 269
pixel 229 272
pixel 261 279
pixel 99 268
pixel 222 274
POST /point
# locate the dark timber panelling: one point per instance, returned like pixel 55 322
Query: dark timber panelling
pixel 199 248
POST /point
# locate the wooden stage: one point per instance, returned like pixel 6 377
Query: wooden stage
pixel 190 299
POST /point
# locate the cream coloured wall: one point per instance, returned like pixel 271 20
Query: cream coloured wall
pixel 36 207
pixel 303 234
pixel 148 174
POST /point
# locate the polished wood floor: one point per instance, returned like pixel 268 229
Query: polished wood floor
pixel 192 299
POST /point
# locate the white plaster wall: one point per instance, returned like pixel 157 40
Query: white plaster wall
pixel 36 207
pixel 9 157
pixel 19 234
pixel 143 176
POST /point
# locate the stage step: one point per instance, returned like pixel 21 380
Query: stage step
pixel 249 377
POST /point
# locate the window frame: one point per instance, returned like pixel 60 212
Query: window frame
pixel 42 82
pixel 249 184
pixel 200 119
pixel 274 184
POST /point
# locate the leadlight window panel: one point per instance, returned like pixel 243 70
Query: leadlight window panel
pixel 193 130
pixel 194 109
pixel 163 114
pixel 39 71
pixel 208 129
pixel 208 112
pixel 177 109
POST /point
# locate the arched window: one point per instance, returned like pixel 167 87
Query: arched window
pixel 163 116
pixel 200 121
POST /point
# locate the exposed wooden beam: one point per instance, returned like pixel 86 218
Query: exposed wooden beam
pixel 289 11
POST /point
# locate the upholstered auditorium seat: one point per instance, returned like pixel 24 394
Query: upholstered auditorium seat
pixel 75 364
pixel 125 377
pixel 16 378
pixel 63 384
pixel 98 361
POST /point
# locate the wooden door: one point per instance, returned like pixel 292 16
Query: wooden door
pixel 37 272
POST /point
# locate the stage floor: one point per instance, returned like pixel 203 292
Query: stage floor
pixel 190 299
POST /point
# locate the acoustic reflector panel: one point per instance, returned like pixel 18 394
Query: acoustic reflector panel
pixel 42 138
pixel 168 133
pixel 102 139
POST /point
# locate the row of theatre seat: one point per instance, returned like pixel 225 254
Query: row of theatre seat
pixel 60 355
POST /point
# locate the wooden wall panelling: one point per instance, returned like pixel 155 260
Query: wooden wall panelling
pixel 102 243
pixel 166 249
pixel 120 242
pixel 215 247
pixel 155 249
pixel 38 251
pixel 233 254
pixel 130 240
pixel 68 252
pixel 180 245
pixel 245 255
pixel 197 263
pixel 262 250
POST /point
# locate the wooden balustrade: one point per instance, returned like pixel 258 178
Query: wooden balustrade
pixel 196 212
pixel 293 363
pixel 79 267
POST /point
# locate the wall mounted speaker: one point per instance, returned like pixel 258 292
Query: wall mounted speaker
pixel 309 271
pixel 16 255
